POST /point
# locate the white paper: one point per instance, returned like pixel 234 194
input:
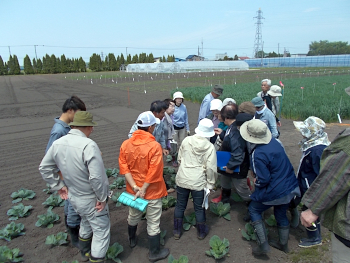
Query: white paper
pixel 205 203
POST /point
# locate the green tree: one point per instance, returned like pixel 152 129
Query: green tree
pixel 2 67
pixel 39 66
pixel 324 47
pixel 13 65
pixel 128 59
pixel 95 63
pixel 113 62
pixel 235 57
pixel 64 66
pixel 53 64
pixel 122 60
pixel 27 64
pixel 164 59
pixel 105 64
pixel 260 54
pixel 135 59
pixel 150 58
pixel 82 65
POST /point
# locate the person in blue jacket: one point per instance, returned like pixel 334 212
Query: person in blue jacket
pixel 314 141
pixel 275 184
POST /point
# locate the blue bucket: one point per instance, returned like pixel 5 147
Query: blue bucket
pixel 222 160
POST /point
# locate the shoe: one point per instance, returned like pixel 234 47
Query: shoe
pixel 217 199
pixel 175 164
pixel 85 248
pixel 132 235
pixel 261 239
pixel 155 252
pixel 294 222
pixel 99 260
pixel 313 237
pixel 74 235
pixel 226 194
pixel 282 243
pixel 177 228
pixel 202 230
pixel 171 190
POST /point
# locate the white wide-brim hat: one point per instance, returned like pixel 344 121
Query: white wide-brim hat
pixel 275 91
pixel 255 131
pixel 216 104
pixel 205 128
pixel 178 95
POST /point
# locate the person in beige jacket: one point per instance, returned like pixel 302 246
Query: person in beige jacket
pixel 197 174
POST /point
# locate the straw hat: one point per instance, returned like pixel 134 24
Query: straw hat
pixel 82 119
pixel 255 131
pixel 205 128
pixel 275 91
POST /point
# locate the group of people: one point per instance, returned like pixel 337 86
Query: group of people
pixel 248 132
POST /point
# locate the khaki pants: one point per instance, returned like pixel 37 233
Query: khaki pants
pixel 179 136
pixel 153 213
pixel 239 184
pixel 93 223
pixel 341 253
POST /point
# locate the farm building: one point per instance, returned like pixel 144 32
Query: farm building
pixel 306 61
pixel 188 66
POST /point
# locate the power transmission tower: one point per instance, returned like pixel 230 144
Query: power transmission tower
pixel 258 44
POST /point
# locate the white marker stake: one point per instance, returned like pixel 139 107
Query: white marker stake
pixel 145 92
pixel 339 119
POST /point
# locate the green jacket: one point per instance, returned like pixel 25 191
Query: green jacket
pixel 329 194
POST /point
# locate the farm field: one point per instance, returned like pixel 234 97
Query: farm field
pixel 28 105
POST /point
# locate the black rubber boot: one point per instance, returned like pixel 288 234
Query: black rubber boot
pixel 99 260
pixel 226 194
pixel 313 236
pixel 247 217
pixel 155 252
pixel 132 235
pixel 202 230
pixel 261 239
pixel 294 222
pixel 177 228
pixel 85 248
pixel 282 243
pixel 74 235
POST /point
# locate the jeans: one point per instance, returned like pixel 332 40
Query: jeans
pixel 73 218
pixel 280 211
pixel 181 204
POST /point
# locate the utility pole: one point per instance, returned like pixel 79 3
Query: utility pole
pixel 9 50
pixel 102 56
pixel 126 49
pixel 35 53
pixel 258 34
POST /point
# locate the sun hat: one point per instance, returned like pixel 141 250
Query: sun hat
pixel 227 100
pixel 82 119
pixel 255 131
pixel 178 95
pixel 247 107
pixel 146 119
pixel 275 91
pixel 205 128
pixel 310 126
pixel 217 89
pixel 242 118
pixel 258 102
pixel 216 104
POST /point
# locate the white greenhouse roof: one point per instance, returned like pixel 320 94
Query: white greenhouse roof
pixel 186 66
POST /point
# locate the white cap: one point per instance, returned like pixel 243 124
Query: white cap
pixel 205 128
pixel 146 119
pixel 216 104
pixel 178 95
pixel 227 100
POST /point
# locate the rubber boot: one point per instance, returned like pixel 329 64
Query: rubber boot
pixel 99 260
pixel 294 222
pixel 261 239
pixel 217 199
pixel 226 194
pixel 202 230
pixel 132 235
pixel 282 243
pixel 85 248
pixel 175 163
pixel 74 235
pixel 177 228
pixel 313 237
pixel 247 217
pixel 155 252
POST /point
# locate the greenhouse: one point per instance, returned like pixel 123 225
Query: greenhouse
pixel 308 61
pixel 188 66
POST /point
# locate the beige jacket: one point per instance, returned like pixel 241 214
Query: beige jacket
pixel 198 167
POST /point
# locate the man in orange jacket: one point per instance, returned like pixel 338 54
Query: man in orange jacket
pixel 141 161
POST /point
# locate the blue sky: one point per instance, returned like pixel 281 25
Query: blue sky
pixel 83 27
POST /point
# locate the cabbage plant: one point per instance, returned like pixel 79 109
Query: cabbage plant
pixel 10 255
pixel 22 194
pixel 113 252
pixel 218 248
pixel 182 259
pixel 168 202
pixel 12 230
pixel 53 201
pixel 19 211
pixel 57 240
pixel 221 209
pixel 118 183
pixel 112 172
pixel 115 197
pixel 47 220
pixel 189 220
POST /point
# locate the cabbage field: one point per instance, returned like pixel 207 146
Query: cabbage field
pixel 321 96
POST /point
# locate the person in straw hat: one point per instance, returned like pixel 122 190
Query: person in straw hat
pixel 141 161
pixel 329 195
pixel 215 93
pixel 275 184
pixel 85 183
pixel 314 141
pixel 197 172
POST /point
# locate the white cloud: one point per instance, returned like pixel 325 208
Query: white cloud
pixel 312 9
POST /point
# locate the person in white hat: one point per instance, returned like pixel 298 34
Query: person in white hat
pixel 228 101
pixel 275 184
pixel 141 161
pixel 275 92
pixel 215 93
pixel 197 171
pixel 180 118
pixel 215 108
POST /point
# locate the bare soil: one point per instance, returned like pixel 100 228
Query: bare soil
pixel 28 105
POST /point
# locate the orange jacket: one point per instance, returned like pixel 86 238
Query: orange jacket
pixel 142 156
